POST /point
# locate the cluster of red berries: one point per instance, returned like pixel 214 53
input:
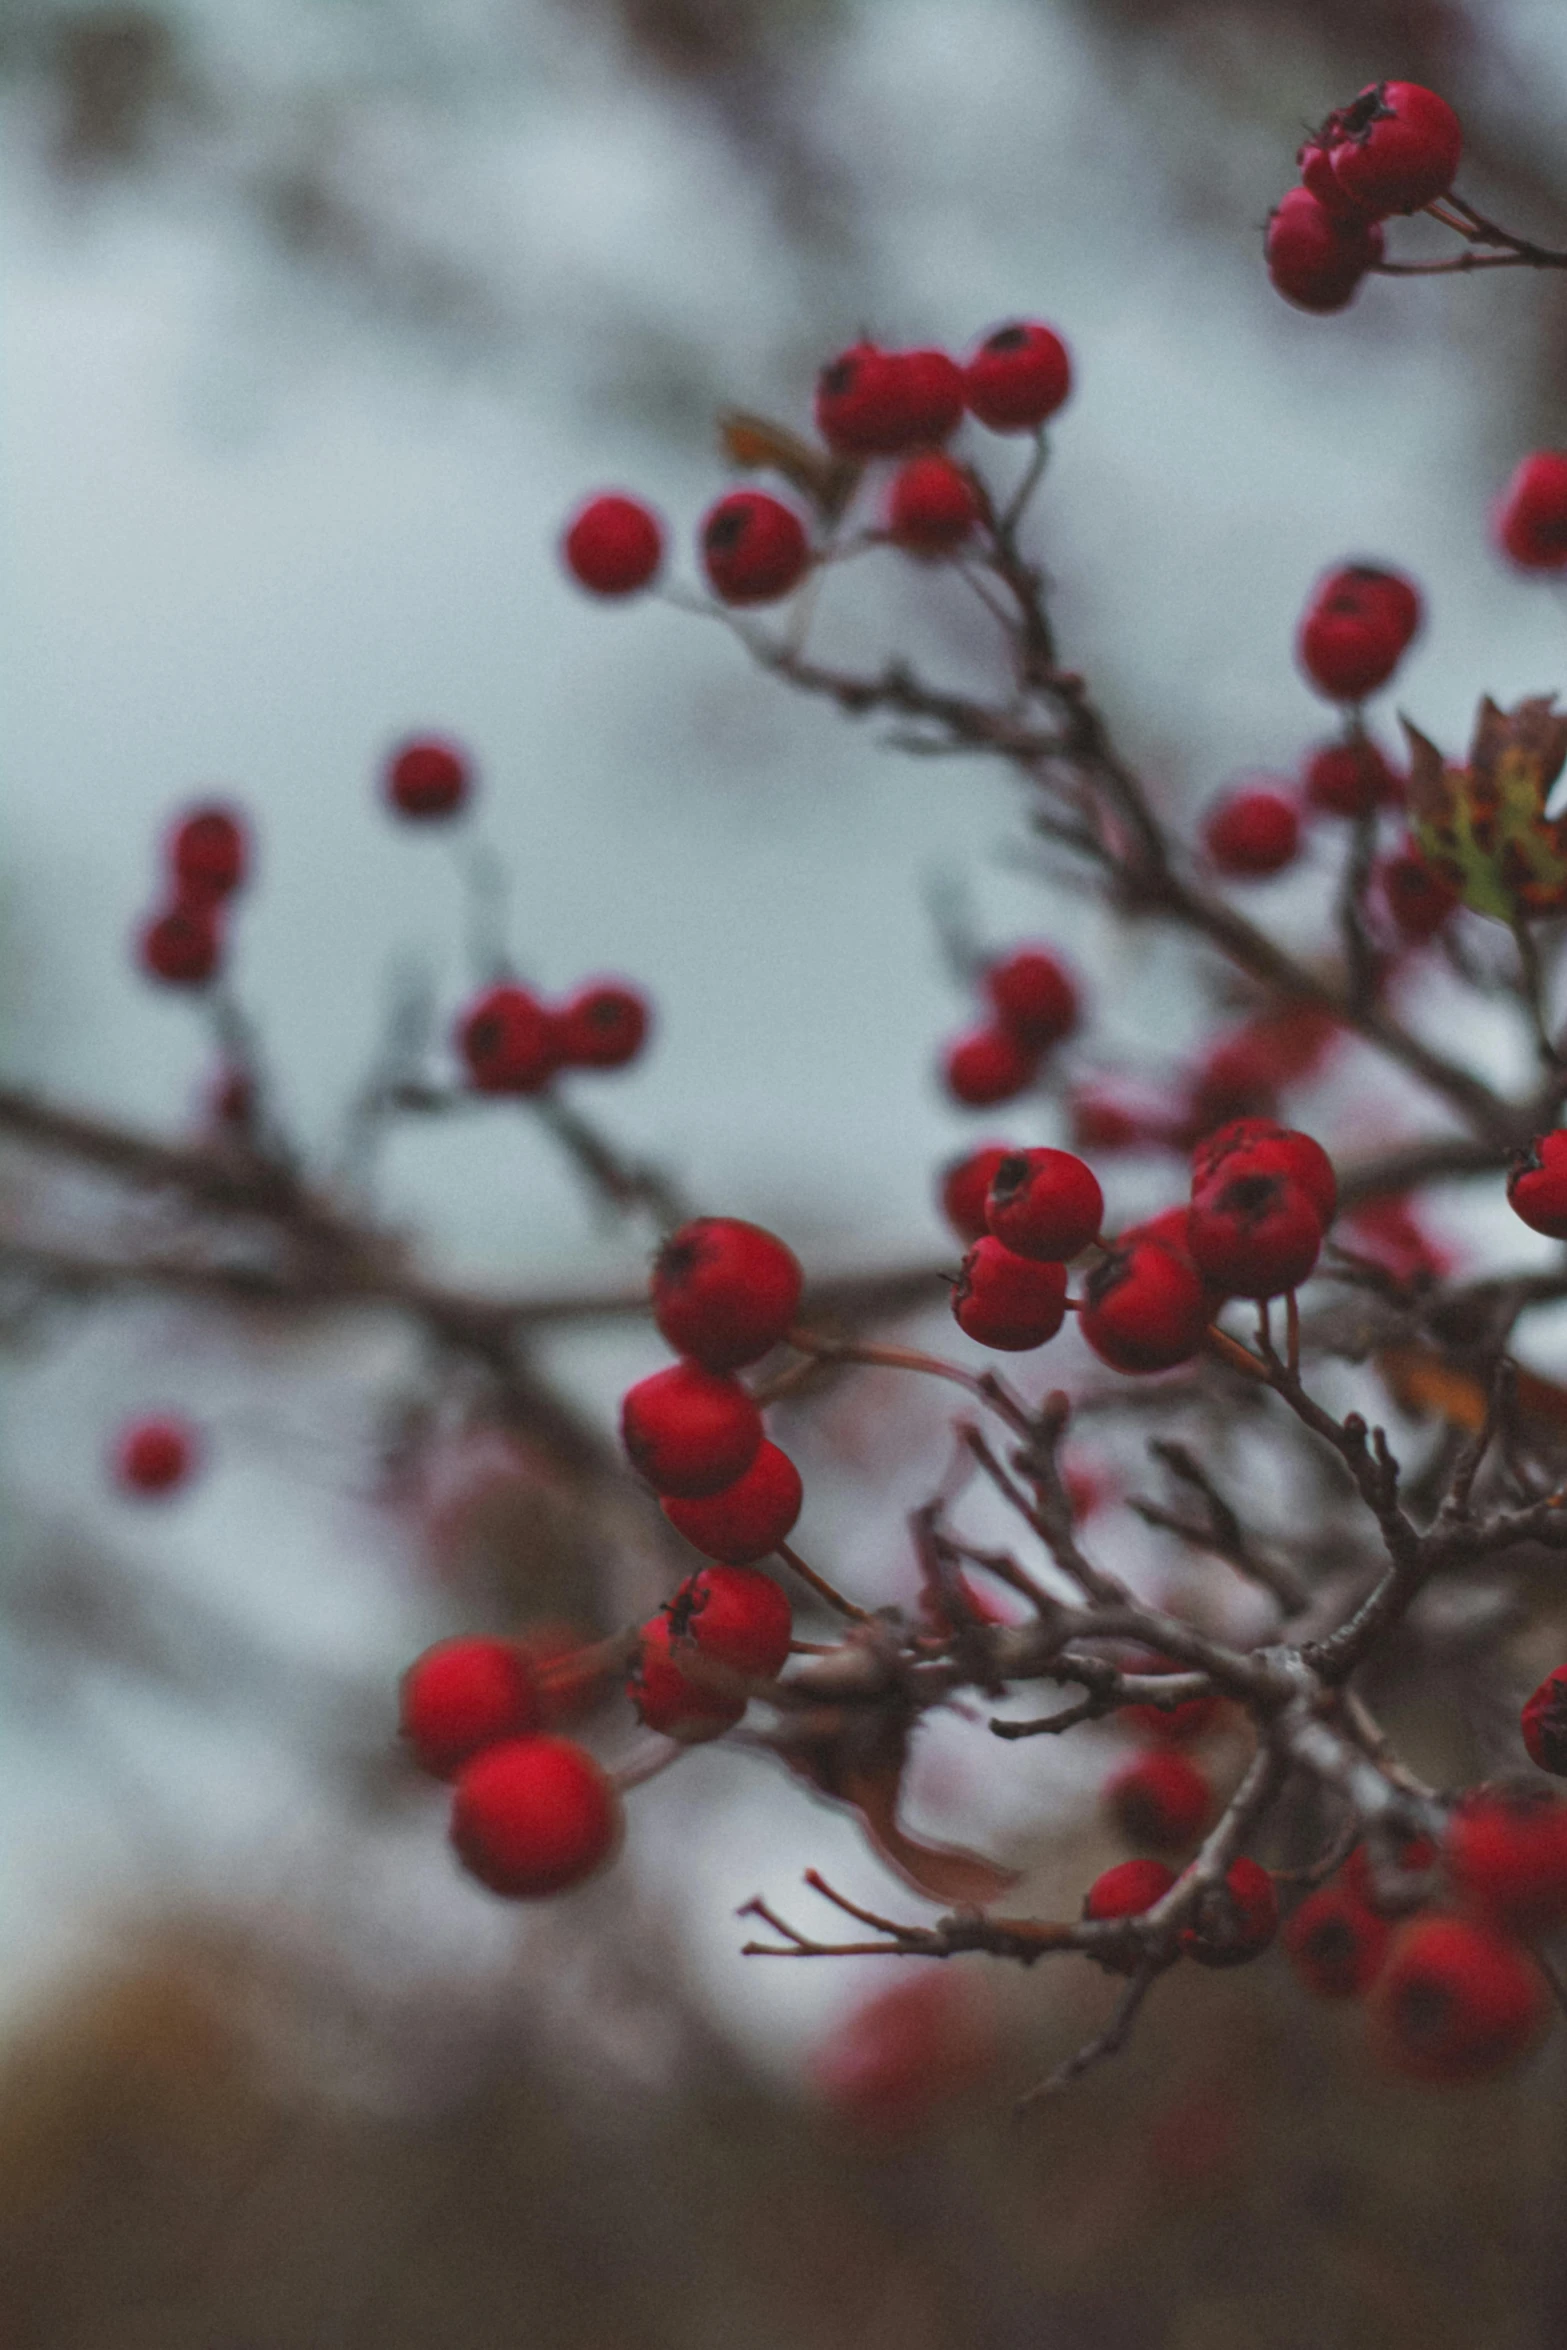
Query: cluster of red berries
pixel 870 403
pixel 153 1457
pixel 1262 1199
pixel 532 1813
pixel 1032 1002
pixel 206 858
pixel 1395 148
pixel 510 1041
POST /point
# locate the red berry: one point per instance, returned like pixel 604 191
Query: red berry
pixel 737 1617
pixel 689 1431
pixel 1256 1146
pixel 932 505
pixel 1544 1723
pixel 1145 1308
pixel 754 548
pixel 1507 1855
pixel 153 1456
pixel 1315 163
pixel 1255 1234
pixel 1125 1892
pixel 1357 627
pixel 929 390
pixel 1397 149
pixel 1045 1204
pixel 857 410
pixel 747 1519
pixel 427 778
pixel 1337 1944
pixel 466 1694
pixel 183 947
pixel 1018 377
pixel 1161 1799
pixel 965 1186
pixel 1252 833
pixel 1531 521
pixel 509 1042
pixel 1239 1076
pixel 1417 897
pixel 208 854
pixel 903 2055
pixel 1102 1121
pixel 1537 1185
pixel 1316 257
pixel 1456 2001
pixel 1234 1921
pixel 603 1026
pixel 1170 1229
pixel 680 1692
pixel 1033 996
pixel 613 545
pixel 988 1066
pixel 1387 1230
pixel 1351 779
pixel 1172 1725
pixel 725 1291
pixel 1011 1303
pixel 534 1816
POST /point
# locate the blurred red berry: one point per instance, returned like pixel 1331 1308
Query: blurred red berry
pixel 184 947
pixel 1351 779
pixel 1144 1308
pixel 155 1456
pixel 1317 257
pixel 508 1041
pixel 725 1291
pixel 1254 1234
pixel 1018 377
pixel 690 1431
pixel 1033 996
pixel 209 852
pixel 965 1186
pixel 1531 521
pixel 932 506
pixel 1252 834
pixel 1544 1724
pixel 1387 1230
pixel 1125 1891
pixel 857 405
pixel 427 778
pixel 534 1816
pixel 1418 898
pixel 466 1694
pixel 1045 1204
pixel 754 548
pixel 1260 1146
pixel 1009 1302
pixel 1104 1121
pixel 1397 148
pixel 603 1026
pixel 1457 2001
pixel 1169 1725
pixel 613 545
pixel 905 2054
pixel 1336 1943
pixel 744 1521
pixel 737 1617
pixel 988 1066
pixel 678 1691
pixel 1506 1852
pixel 1235 1920
pixel 1160 1799
pixel 1537 1185
pixel 1357 627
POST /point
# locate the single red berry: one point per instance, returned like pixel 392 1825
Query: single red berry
pixel 1398 148
pixel 929 391
pixel 1011 1303
pixel 987 1066
pixel 737 1617
pixel 1531 521
pixel 1045 1204
pixel 857 404
pixel 680 1692
pixel 1255 1234
pixel 1537 1185
pixel 1125 1892
pixel 754 548
pixel 1414 1858
pixel 208 852
pixel 1351 779
pixel 1299 1037
pixel 1238 1076
pixel 1234 1921
pixel 1145 1308
pixel 1104 1121
pixel 1314 161
pixel 965 1186
pixel 747 1519
pixel 427 778
pixel 725 1291
pixel 1018 377
pixel 689 1431
pixel 613 545
pixel 905 2054
pixel 1317 257
pixel 1387 1230
pixel 1507 1855
pixel 1544 1723
pixel 1160 1799
pixel 154 1456
pixel 1357 627
pixel 508 1041
pixel 466 1694
pixel 1033 996
pixel 183 947
pixel 1456 2001
pixel 932 505
pixel 1252 833
pixel 1418 898
pixel 1336 1943
pixel 603 1026
pixel 1257 1146
pixel 1170 1229
pixel 1170 1725
pixel 534 1816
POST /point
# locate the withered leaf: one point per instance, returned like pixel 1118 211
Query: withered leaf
pixel 760 445
pixel 856 1757
pixel 1483 825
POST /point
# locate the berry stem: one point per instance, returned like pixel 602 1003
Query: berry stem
pixel 822 1588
